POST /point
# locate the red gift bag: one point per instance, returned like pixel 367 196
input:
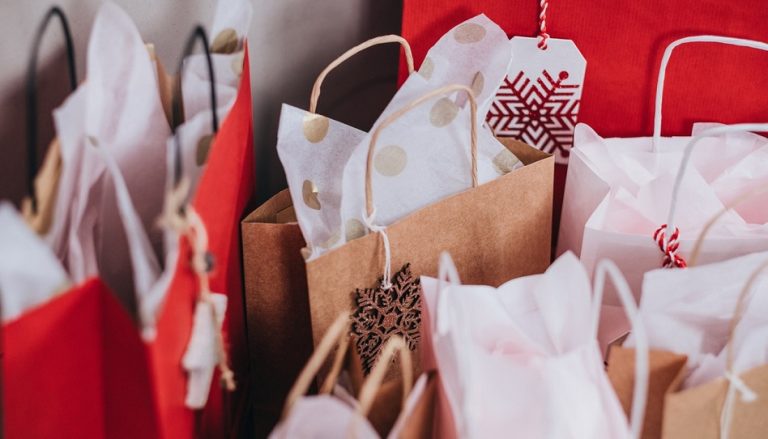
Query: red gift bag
pixel 622 44
pixel 72 368
pixel 77 366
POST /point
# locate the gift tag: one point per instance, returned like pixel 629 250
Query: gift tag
pixel 538 103
pixel 385 310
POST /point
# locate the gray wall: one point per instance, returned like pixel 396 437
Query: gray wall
pixel 290 42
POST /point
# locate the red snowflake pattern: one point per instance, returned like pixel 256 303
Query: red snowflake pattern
pixel 541 112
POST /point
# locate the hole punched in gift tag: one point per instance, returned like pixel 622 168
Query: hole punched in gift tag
pixel 54 12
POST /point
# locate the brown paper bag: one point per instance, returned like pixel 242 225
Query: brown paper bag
pixel 497 231
pixel 279 334
pixel 306 413
pixel 665 373
pixel 708 411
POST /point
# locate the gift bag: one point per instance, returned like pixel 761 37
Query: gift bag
pixel 524 357
pixel 707 359
pixel 274 251
pixel 335 413
pixel 375 277
pixel 634 200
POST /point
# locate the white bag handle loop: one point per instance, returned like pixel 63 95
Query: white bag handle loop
pixel 688 151
pixel 640 392
pixel 759 45
pixel 446 272
pixel 735 384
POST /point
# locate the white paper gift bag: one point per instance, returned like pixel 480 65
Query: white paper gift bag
pixel 323 159
pixel 523 359
pixel 623 195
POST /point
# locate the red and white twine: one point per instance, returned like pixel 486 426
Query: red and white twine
pixel 669 247
pixel 543 35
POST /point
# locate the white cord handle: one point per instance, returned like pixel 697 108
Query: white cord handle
pixel 640 393
pixel 688 151
pixel 665 61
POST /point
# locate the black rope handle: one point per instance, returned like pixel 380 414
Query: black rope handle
pixel 198 34
pixel 32 158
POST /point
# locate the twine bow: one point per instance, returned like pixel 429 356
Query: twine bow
pixel 386 282
pixel 735 384
pixel 185 220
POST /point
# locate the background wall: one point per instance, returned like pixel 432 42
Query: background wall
pixel 290 43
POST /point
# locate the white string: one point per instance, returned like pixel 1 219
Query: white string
pixel 386 282
pixel 735 384
pixel 688 151
pixel 640 392
pixel 665 61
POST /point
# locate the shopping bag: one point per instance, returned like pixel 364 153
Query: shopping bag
pixel 225 187
pixel 623 194
pixel 273 245
pixel 334 412
pixel 375 277
pixel 527 334
pixel 707 360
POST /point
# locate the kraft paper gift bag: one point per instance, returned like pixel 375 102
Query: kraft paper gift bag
pixel 623 194
pixel 523 359
pixel 375 277
pixel 318 153
pixel 708 351
pixel 273 245
pixel 335 413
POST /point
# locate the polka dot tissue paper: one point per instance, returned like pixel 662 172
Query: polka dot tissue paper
pixel 421 158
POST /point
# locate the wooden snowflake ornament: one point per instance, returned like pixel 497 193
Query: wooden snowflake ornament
pixel 383 312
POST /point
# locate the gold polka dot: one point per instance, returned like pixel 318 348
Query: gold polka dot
pixel 306 253
pixel 93 141
pixel 478 83
pixel 315 127
pixel 225 42
pixel 203 147
pixel 505 161
pixel 237 63
pixel 333 239
pixel 427 67
pixel 390 161
pixel 354 229
pixel 469 33
pixel 443 112
pixel 310 192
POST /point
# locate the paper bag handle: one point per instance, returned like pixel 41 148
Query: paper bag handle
pixel 197 34
pixel 31 92
pixel 734 381
pixel 395 345
pixel 399 113
pixel 385 39
pixel 688 151
pixel 640 392
pixel 336 335
pixel 696 251
pixel 759 45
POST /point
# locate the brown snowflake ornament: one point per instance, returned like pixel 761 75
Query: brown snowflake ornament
pixel 382 312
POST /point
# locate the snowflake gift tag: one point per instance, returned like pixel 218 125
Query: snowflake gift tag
pixel 538 103
pixel 383 312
